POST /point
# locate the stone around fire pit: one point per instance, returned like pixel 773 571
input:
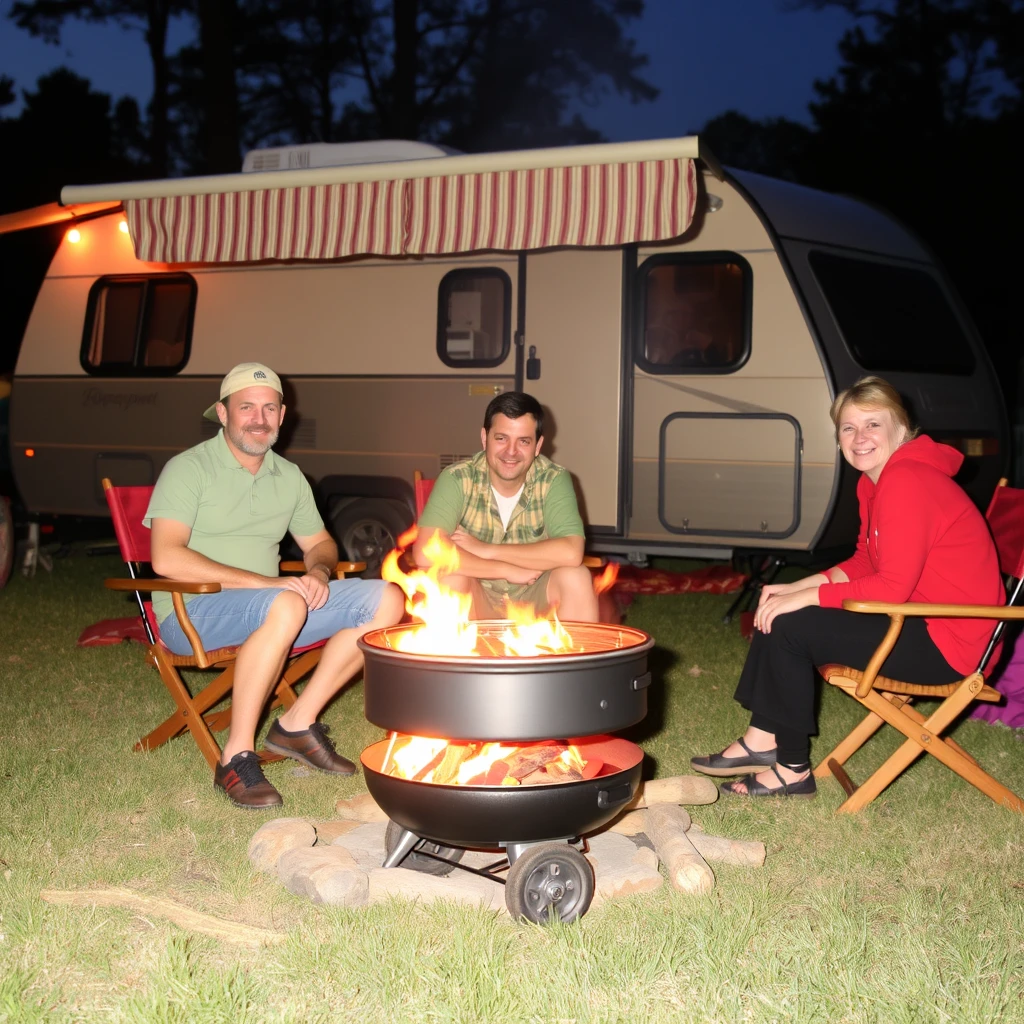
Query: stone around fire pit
pixel 344 865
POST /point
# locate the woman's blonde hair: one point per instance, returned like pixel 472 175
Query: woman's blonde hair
pixel 874 393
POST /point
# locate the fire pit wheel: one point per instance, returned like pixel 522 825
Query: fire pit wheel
pixel 415 861
pixel 549 880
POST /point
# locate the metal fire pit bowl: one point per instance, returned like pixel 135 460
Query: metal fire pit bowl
pixel 548 879
pixel 599 686
pixel 489 816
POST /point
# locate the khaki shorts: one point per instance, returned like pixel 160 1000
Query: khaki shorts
pixel 535 593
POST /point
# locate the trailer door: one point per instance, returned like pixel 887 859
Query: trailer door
pixel 716 456
pixel 574 328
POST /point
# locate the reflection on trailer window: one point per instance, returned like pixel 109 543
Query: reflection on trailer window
pixel 893 318
pixel 139 325
pixel 694 313
pixel 474 317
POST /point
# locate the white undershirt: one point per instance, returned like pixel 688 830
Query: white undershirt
pixel 506 505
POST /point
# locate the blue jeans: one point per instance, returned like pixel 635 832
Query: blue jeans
pixel 227 619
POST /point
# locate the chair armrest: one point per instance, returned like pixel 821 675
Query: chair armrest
pixel 593 561
pixel 175 588
pixel 937 611
pixel 339 570
pixel 164 586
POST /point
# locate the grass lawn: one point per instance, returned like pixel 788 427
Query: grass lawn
pixel 911 911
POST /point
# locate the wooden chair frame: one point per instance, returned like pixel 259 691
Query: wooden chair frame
pixel 195 713
pixel 888 701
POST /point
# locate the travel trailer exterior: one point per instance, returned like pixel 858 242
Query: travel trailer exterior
pixel 686 327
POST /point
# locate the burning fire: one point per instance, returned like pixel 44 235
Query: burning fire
pixel 445 613
pixel 448 630
pixel 444 762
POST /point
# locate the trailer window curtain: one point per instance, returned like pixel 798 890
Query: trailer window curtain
pixel 510 211
pixel 139 325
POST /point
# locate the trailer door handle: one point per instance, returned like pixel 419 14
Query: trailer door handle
pixel 642 682
pixel 613 797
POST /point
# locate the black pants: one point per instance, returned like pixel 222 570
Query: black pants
pixel 779 679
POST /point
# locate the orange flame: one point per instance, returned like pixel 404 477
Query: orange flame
pixel 445 613
pixel 607 579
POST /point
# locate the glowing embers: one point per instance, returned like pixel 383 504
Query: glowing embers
pixel 453 763
pixel 445 613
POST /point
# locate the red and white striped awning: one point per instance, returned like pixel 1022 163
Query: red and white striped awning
pixel 509 210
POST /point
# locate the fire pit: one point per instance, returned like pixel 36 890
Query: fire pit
pixel 513 723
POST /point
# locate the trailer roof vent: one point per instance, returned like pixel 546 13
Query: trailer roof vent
pixel 340 154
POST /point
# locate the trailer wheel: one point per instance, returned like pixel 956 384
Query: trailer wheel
pixel 415 861
pixel 6 541
pixel 550 881
pixel 367 530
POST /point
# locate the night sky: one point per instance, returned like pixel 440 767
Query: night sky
pixel 753 56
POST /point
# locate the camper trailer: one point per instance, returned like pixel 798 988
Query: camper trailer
pixel 686 327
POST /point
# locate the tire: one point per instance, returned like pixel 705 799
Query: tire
pixel 6 541
pixel 415 861
pixel 549 881
pixel 367 529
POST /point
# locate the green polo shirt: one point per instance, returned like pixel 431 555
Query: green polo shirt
pixel 236 518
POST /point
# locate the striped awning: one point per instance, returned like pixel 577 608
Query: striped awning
pixel 511 210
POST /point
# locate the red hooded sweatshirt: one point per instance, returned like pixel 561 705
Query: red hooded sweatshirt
pixel 922 540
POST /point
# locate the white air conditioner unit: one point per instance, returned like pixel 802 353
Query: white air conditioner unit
pixel 340 154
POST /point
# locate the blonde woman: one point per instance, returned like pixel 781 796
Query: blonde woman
pixel 921 539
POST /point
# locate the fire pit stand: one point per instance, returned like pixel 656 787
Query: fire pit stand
pixel 599 686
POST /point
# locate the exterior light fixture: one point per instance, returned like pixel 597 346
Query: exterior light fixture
pixel 74 235
pixel 123 227
pixel 30 453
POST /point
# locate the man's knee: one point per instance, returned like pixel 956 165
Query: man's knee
pixel 287 612
pixel 572 579
pixel 391 607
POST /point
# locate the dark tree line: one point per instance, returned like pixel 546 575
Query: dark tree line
pixel 474 74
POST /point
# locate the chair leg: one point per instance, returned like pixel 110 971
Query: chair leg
pixel 925 737
pixel 188 710
pixel 205 699
pixel 854 741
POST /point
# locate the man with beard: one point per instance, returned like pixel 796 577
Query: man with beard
pixel 512 514
pixel 217 514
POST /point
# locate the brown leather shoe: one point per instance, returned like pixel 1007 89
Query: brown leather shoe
pixel 243 781
pixel 311 746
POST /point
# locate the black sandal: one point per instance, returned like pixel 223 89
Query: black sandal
pixel 717 764
pixel 806 787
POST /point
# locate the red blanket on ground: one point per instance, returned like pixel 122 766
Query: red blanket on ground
pixel 715 579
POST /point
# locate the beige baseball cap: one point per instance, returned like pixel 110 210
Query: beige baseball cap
pixel 244 375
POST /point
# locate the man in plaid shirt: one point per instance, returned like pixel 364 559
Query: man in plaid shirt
pixel 512 514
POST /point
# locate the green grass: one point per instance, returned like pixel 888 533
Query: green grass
pixel 909 912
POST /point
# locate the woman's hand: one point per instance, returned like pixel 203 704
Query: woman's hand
pixel 774 589
pixel 781 602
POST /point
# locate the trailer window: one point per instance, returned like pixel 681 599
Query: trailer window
pixel 892 317
pixel 693 313
pixel 139 325
pixel 474 317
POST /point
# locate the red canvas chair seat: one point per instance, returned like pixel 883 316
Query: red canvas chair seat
pixel 194 713
pixel 889 700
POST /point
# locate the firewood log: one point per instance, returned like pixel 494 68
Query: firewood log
pixel 153 906
pixel 687 869
pixel 679 789
pixel 632 823
pixel 727 851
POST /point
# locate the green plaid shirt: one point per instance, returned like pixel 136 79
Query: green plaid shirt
pixel 462 496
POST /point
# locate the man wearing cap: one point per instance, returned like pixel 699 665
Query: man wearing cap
pixel 218 513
